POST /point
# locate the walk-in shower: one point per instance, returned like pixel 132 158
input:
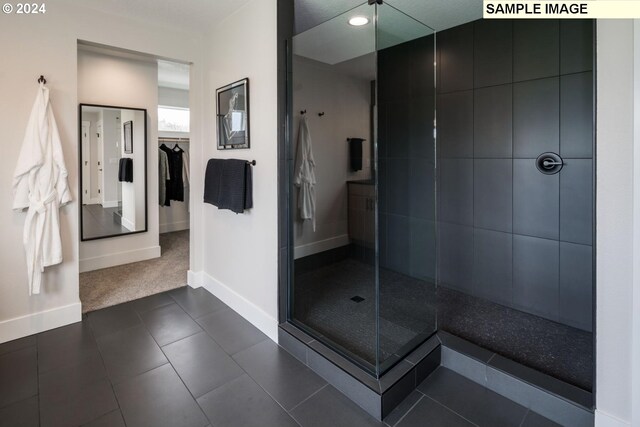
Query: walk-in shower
pixel 454 186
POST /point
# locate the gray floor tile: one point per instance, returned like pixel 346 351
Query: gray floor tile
pixel 278 372
pixel 18 344
pixel 201 363
pixel 231 330
pixel 403 408
pixel 196 302
pixel 329 407
pixel 153 301
pixel 88 404
pixel 112 419
pixel 536 420
pixel 67 346
pixel 242 402
pixel 436 414
pixel 18 375
pixel 472 401
pixel 130 352
pixel 169 323
pixel 65 382
pixel 158 398
pixel 112 319
pixel 24 414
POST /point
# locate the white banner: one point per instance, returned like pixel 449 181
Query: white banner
pixel 590 9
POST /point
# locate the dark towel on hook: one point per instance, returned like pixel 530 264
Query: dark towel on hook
pixel 355 153
pixel 228 184
pixel 125 170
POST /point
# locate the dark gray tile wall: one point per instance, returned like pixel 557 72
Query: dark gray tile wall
pixel 506 232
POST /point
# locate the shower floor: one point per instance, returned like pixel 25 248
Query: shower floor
pixel 323 302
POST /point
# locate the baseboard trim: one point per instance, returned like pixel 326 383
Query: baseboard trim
pixel 254 314
pixel 119 258
pixel 111 204
pixel 605 420
pixel 23 326
pixel 194 279
pixel 128 224
pixel 174 226
pixel 320 246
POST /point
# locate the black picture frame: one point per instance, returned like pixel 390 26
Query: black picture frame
pixel 232 112
pixel 128 137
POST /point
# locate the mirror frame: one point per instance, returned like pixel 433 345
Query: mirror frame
pixel 146 183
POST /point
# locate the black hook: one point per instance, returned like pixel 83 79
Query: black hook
pixel 320 114
pixel 303 112
pixel 252 162
pixel 42 80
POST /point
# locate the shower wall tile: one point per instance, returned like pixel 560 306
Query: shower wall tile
pixel 422 143
pixel 455 124
pixel 423 249
pixel 493 52
pixel 397 176
pixel 576 45
pixel 492 194
pixel 536 275
pixel 493 122
pixel 383 185
pixel 383 240
pixel 576 115
pixel 576 285
pixel 398 129
pixel 455 246
pixel 456 58
pixel 536 48
pixel 398 243
pixel 492 267
pixel 422 65
pixel 422 203
pixel 536 205
pixel 536 117
pixel 456 191
pixel 576 201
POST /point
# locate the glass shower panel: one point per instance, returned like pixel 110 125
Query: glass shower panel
pixel 406 184
pixel 333 294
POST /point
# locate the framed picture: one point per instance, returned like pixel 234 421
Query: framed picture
pixel 233 115
pixel 128 137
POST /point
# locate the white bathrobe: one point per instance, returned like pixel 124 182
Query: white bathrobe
pixel 40 185
pixel 305 176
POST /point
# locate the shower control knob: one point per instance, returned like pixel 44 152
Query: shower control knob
pixel 549 163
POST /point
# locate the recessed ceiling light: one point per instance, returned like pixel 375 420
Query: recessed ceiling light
pixel 358 21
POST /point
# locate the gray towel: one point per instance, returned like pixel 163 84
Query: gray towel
pixel 228 184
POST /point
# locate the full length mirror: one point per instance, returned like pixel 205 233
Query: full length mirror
pixel 113 164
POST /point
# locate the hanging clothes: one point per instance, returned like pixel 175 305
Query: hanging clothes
pixel 164 175
pixel 305 176
pixel 185 168
pixel 176 165
pixel 40 185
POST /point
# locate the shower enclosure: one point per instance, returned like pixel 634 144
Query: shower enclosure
pixel 478 224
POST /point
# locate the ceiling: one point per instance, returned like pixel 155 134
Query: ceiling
pixel 173 75
pixel 187 15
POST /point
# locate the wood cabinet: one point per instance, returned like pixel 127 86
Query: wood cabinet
pixel 362 213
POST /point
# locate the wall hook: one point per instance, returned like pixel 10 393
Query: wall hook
pixel 42 80
pixel 303 112
pixel 320 114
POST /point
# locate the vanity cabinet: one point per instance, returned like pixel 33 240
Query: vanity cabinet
pixel 362 214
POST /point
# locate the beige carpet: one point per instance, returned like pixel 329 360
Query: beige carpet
pixel 115 285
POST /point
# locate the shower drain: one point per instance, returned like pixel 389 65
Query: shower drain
pixel 357 298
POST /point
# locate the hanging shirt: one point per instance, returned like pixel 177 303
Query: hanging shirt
pixel 305 176
pixel 40 185
pixel 163 176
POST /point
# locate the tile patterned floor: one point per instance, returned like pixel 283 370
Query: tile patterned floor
pixel 183 358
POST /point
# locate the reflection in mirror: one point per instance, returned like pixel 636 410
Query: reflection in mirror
pixel 113 180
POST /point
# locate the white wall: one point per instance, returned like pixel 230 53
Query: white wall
pixel 48 45
pixel 239 252
pixel 346 101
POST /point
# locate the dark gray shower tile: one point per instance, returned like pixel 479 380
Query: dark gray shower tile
pixel 536 275
pixel 493 52
pixel 576 115
pixel 398 243
pixel 576 201
pixel 398 184
pixel 382 238
pixel 493 122
pixel 536 48
pixel 536 205
pixel 455 249
pixel 455 124
pixel 576 285
pixel 423 249
pixel 536 118
pixel 492 194
pixel 492 267
pixel 422 144
pixel 422 190
pixel 456 191
pixel 455 47
pixel 398 129
pixel 422 57
pixel 576 45
pixel 383 185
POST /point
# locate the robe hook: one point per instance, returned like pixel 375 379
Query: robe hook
pixel 252 162
pixel 42 80
pixel 320 114
pixel 303 112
